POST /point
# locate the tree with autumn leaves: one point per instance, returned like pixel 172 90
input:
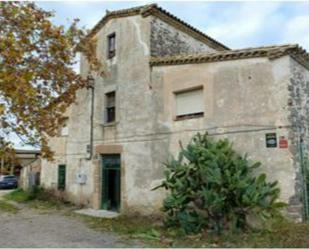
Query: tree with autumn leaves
pixel 37 80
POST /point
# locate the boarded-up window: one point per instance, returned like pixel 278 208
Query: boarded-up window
pixel 111 45
pixel 110 107
pixel 189 104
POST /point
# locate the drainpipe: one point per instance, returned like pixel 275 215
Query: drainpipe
pixel 303 177
pixel 91 86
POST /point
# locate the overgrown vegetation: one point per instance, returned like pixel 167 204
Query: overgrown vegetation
pixel 211 187
pixel 7 207
pixel 37 197
pixel 278 233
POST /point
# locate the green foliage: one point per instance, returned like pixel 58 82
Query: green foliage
pixel 18 195
pixel 213 187
pixel 8 207
pixel 37 197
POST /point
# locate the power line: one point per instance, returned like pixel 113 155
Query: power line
pixel 266 127
pixel 117 140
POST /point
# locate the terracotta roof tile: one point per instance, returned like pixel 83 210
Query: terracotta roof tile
pixel 272 52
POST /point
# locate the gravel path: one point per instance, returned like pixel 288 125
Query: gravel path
pixel 31 228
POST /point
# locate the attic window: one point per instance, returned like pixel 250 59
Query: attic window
pixel 111 45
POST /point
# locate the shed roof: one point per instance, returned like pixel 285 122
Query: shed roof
pixel 272 52
pixel 155 10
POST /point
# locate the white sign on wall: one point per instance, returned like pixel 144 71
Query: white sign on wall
pixel 81 178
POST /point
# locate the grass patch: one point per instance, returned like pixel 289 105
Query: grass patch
pixel 43 204
pixel 146 229
pixel 7 207
pixel 278 233
pixel 36 198
pixel 18 195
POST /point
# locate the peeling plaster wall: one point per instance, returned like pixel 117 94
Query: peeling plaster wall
pixel 299 117
pixel 238 95
pixel 167 40
pixel 128 74
pixel 245 95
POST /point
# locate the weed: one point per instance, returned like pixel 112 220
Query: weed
pixel 7 207
pixel 278 233
pixel 18 195
pixel 36 198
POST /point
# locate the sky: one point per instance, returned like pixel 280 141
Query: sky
pixel 235 24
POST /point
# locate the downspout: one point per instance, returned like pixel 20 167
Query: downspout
pixel 91 86
pixel 303 178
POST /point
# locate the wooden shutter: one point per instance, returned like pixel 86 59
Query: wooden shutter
pixel 189 102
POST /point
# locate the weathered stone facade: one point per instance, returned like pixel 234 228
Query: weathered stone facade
pixel 246 94
pixel 299 133
pixel 167 40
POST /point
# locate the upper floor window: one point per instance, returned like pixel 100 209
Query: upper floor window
pixel 111 45
pixel 110 107
pixel 189 104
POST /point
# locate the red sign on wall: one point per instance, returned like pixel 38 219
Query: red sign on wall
pixel 283 143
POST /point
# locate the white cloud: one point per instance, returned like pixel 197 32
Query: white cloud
pixel 242 22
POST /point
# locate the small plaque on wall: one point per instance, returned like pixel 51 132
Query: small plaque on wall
pixel 271 140
pixel 283 143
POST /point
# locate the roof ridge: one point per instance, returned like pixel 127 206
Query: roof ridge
pixel 154 9
pixel 167 13
pixel 272 52
pixel 136 8
pixel 270 47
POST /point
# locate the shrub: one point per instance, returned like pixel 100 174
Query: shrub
pixel 213 187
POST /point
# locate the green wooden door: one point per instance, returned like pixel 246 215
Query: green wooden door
pixel 61 177
pixel 111 182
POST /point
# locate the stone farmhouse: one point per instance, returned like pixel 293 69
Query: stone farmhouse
pixel 165 81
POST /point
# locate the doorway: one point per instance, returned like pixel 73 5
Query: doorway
pixel 111 182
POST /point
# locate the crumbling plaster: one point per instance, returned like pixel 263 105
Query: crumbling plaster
pixel 238 95
pixel 249 94
pixel 298 102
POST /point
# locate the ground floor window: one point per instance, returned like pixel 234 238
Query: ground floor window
pixel 61 176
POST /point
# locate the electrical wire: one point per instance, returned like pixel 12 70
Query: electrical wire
pixel 123 139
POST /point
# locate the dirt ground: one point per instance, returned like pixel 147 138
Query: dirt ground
pixel 35 228
pixel 4 192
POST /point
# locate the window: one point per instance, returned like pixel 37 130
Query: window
pixel 111 45
pixel 61 177
pixel 110 107
pixel 189 104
